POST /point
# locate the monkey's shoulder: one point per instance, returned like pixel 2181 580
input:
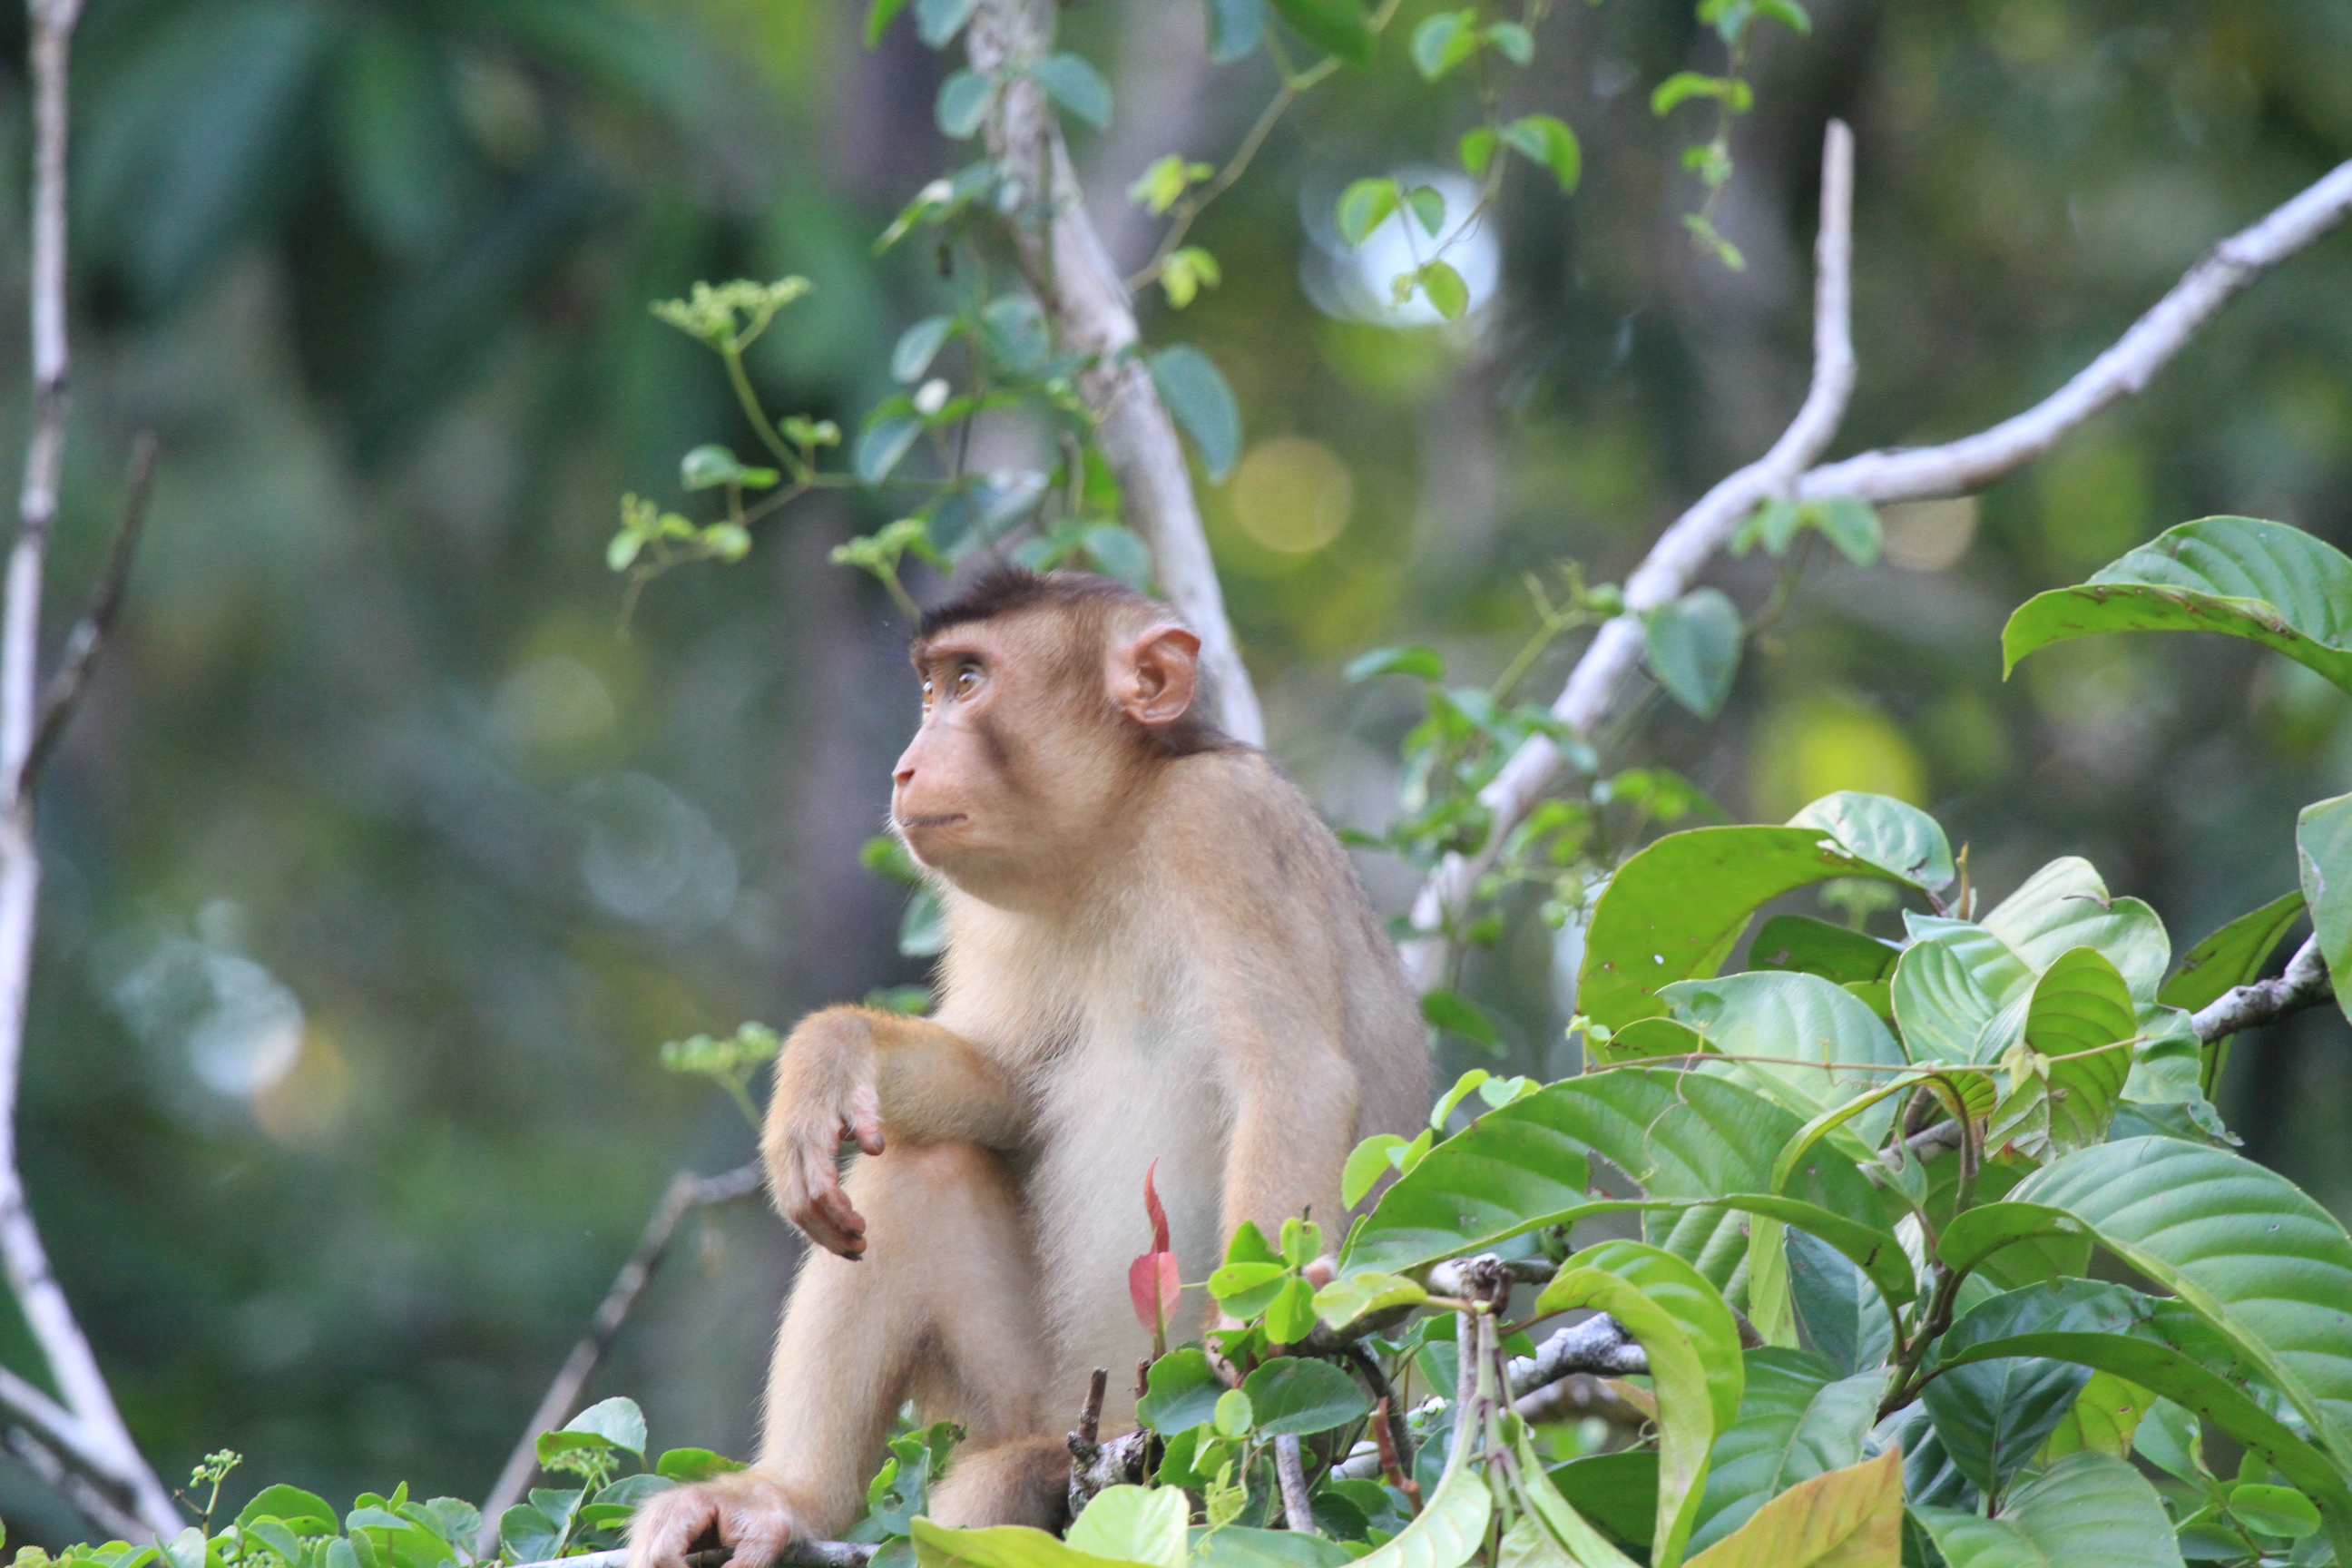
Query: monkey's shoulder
pixel 1232 819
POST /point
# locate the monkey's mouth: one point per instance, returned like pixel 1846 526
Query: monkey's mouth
pixel 924 823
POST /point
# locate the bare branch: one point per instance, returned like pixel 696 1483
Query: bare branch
pixel 1667 572
pixel 2304 984
pixel 1064 260
pixel 52 1464
pixel 687 1193
pixel 1598 1345
pixel 1953 468
pixel 97 1442
pixel 87 638
pixel 1290 1474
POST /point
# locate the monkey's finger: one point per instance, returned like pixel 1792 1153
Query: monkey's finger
pixel 866 1117
pixel 757 1536
pixel 667 1527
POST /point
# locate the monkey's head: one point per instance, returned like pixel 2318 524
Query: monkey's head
pixel 1048 697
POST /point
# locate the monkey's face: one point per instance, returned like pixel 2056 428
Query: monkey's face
pixel 1029 743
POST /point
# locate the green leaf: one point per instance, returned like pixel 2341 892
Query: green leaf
pixel 1517 44
pixel 1557 1536
pixel 1444 288
pixel 1686 1397
pixel 879 15
pixel 1294 1396
pixel 2066 905
pixel 1364 206
pixel 1476 149
pixel 617 1421
pixel 1843 1315
pixel 963 102
pixel 1697 1307
pixel 1120 552
pixel 918 346
pixel 1892 835
pixel 1851 525
pixel 1994 1416
pixel 1693 647
pixel 1133 1524
pixel 1939 1005
pixel 2087 1511
pixel 1203 405
pixel 2231 957
pixel 939 21
pixel 923 928
pixel 1795 1421
pixel 2266 582
pixel 1423 663
pixel 1342 1301
pixel 1683 86
pixel 1000 1546
pixel 1073 83
pixel 1234 26
pixel 1674 910
pixel 1338 27
pixel 2323 848
pixel 1802 944
pixel 304 1513
pixel 1846 1517
pixel 1367 1163
pixel 1239 1546
pixel 1182 1390
pixel 711 465
pixel 1446 1009
pixel 1549 144
pixel 883 443
pixel 1794 1018
pixel 2273 1511
pixel 1290 1316
pixel 2079 1004
pixel 1428 206
pixel 1442 42
pixel 685 1465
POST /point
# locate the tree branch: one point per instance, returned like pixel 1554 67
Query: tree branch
pixel 87 639
pixel 1667 572
pixel 2304 984
pixel 1064 260
pixel 687 1193
pixel 98 1442
pixel 1916 474
pixel 1290 1475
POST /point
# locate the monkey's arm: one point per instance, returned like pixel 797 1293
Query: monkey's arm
pixel 858 1075
pixel 1294 1122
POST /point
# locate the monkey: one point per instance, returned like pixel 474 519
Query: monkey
pixel 1156 952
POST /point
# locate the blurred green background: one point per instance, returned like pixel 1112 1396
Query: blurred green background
pixel 379 865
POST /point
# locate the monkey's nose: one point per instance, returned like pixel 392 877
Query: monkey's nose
pixel 903 776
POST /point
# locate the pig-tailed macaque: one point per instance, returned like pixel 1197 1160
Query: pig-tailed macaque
pixel 1155 952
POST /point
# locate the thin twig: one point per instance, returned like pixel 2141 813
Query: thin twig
pixel 1063 259
pixel 1955 467
pixel 87 639
pixel 102 1446
pixel 687 1193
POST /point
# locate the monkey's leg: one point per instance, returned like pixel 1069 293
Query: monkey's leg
pixel 941 1306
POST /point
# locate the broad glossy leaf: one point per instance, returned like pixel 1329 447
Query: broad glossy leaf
pixel 1344 1301
pixel 2064 905
pixel 1450 1528
pixel 1940 1005
pixel 1892 835
pixel 1693 646
pixel 1645 1039
pixel 1619 1490
pixel 1794 1018
pixel 2323 848
pixel 2232 956
pixel 1847 1518
pixel 1679 1380
pixel 1134 1524
pixel 2264 581
pixel 1695 1306
pixel 2254 1257
pixel 304 1513
pixel 2087 1511
pixel 1673 912
pixel 1841 1312
pixel 1182 1390
pixel 1816 947
pixel 1994 1415
pixel 1292 1396
pixel 2106 1414
pixel 1797 1420
pixel 1569 1541
pixel 1240 1546
pixel 997 1546
pixel 2078 1006
pixel 1203 405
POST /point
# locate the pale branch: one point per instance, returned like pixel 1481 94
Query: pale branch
pixel 1667 571
pixel 101 1444
pixel 50 1464
pixel 1972 462
pixel 1912 474
pixel 1290 1475
pixel 687 1193
pixel 1063 261
pixel 795 1554
pixel 87 639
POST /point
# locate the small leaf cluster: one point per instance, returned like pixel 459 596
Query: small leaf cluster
pixel 1732 97
pixel 730 1063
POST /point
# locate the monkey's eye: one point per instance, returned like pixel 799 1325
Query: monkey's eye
pixel 967 681
pixel 929 694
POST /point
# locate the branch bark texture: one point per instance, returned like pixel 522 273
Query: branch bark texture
pixel 1955 467
pixel 86 1431
pixel 1064 261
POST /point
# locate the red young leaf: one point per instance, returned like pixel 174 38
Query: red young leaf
pixel 1152 1285
pixel 1159 1215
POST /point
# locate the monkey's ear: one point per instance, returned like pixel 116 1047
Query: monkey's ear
pixel 1153 678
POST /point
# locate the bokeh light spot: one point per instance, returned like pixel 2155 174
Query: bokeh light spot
pixel 1293 494
pixel 1822 744
pixel 1929 535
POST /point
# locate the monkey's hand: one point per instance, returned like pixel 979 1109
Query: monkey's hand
pixel 824 1097
pixel 745 1512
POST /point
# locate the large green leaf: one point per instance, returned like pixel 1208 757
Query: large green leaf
pixel 2087 1511
pixel 1292 1395
pixel 1844 1317
pixel 2066 905
pixel 1792 1018
pixel 1679 1380
pixel 2079 1005
pixel 1796 1420
pixel 1848 1518
pixel 2268 1267
pixel 1697 1307
pixel 1134 1524
pixel 1673 911
pixel 1620 1490
pixel 2232 956
pixel 1994 1416
pixel 1940 1005
pixel 1894 836
pixel 2322 846
pixel 1450 1528
pixel 1816 947
pixel 2277 586
pixel 1677 1135
pixel 1572 1542
pixel 2157 1343
pixel 998 1546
